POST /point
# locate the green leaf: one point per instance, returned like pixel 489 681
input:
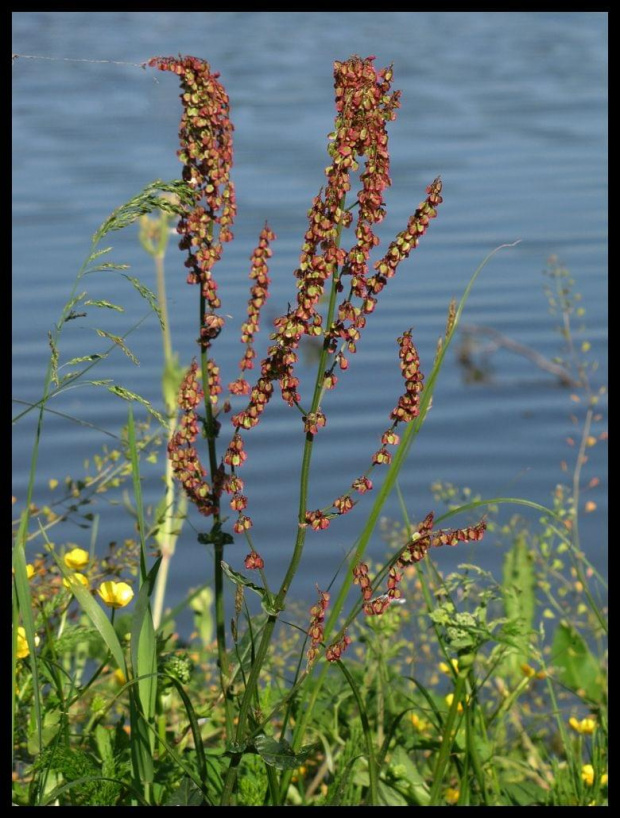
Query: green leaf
pixel 171 382
pixel 95 614
pixel 101 303
pixel 187 795
pixel 390 797
pixel 525 794
pixel 49 731
pixel 143 645
pixel 410 782
pixel 575 666
pixel 239 579
pixel 518 591
pixel 279 754
pixel 216 536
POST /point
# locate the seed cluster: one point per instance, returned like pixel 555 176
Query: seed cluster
pixel 414 551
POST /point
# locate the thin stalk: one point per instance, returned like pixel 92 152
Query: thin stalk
pixel 169 540
pixel 297 551
pixel 447 741
pixel 163 306
pixel 220 615
pixel 373 772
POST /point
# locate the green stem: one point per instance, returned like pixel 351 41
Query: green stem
pixel 297 551
pixel 447 741
pixel 372 762
pixel 163 306
pixel 220 627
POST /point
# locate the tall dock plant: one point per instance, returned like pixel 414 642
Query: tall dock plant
pixel 331 267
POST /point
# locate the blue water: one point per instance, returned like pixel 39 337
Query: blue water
pixel 510 109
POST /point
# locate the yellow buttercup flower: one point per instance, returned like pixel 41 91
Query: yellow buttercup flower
pixel 449 699
pixel 586 726
pixel 419 724
pixel 80 578
pixel 587 774
pixel 452 795
pixel 115 594
pixel 445 668
pixel 30 571
pixel 76 559
pixel 22 643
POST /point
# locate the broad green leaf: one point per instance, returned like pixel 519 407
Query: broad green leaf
pixel 187 795
pixel 575 666
pixel 409 781
pixel 390 797
pixel 279 754
pixel 96 615
pixel 518 591
pixel 525 794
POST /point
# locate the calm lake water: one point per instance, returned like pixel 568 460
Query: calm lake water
pixel 510 109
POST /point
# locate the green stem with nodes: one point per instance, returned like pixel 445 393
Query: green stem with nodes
pixel 168 543
pixel 220 627
pixel 299 544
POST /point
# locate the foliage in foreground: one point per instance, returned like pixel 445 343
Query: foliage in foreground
pixel 460 688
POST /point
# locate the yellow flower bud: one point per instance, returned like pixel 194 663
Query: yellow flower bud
pixel 22 643
pixel 587 774
pixel 30 571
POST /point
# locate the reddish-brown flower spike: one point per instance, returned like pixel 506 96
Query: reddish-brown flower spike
pixel 183 457
pixel 409 239
pixel 313 421
pixel 254 561
pixel 317 520
pixel 206 153
pixel 344 504
pixel 362 485
pixel 243 524
pixel 335 650
pixel 382 457
pixel 259 275
pixel 316 627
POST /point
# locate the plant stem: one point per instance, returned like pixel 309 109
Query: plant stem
pixel 299 544
pixel 220 627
